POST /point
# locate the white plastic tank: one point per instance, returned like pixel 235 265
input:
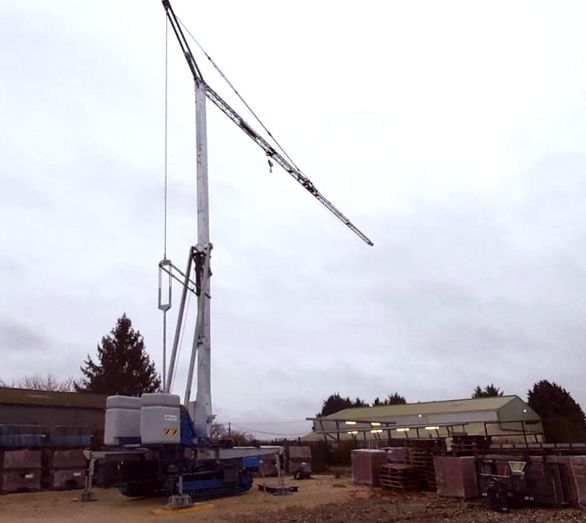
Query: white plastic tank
pixel 122 418
pixel 160 419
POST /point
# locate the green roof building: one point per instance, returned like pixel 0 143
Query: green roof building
pixel 505 417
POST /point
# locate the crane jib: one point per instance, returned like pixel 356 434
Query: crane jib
pixel 260 141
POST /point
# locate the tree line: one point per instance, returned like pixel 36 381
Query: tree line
pixel 122 366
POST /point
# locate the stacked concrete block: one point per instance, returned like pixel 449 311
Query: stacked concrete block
pixel 67 469
pixel 20 471
pixel 366 466
pixel 456 477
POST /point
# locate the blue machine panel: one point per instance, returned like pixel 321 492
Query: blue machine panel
pixel 251 462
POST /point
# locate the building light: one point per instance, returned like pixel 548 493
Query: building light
pixel 376 431
pixel 375 423
pixel 352 432
pixel 402 430
pixel 431 428
pixel 421 415
pixel 524 410
pixel 350 423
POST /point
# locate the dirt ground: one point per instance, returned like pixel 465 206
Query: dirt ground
pixel 113 507
pixel 322 499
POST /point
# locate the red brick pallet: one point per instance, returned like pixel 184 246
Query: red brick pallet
pixel 399 476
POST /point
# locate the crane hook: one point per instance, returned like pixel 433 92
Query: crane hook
pixel 270 166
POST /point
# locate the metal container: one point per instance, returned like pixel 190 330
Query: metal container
pixel 68 479
pixel 67 459
pixel 12 481
pixel 20 459
pixel 21 436
pixel 70 437
pixel 298 452
pixel 299 464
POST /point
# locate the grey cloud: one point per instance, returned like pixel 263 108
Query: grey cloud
pixel 21 338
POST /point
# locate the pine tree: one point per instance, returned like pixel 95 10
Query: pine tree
pixel 563 418
pixel 395 399
pixel 392 399
pixel 490 391
pixel 336 403
pixel 123 365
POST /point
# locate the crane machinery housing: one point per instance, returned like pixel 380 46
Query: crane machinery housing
pixel 158 443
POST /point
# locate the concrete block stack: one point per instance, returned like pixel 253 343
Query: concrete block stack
pixel 366 465
pixel 67 469
pixel 20 471
pixel 456 477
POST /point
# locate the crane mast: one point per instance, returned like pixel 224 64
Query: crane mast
pixel 201 253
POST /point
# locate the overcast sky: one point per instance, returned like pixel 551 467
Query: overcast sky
pixel 452 133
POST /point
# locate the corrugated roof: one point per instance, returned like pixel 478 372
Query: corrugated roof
pixel 430 407
pixel 45 398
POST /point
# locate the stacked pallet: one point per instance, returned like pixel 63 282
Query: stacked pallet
pixel 470 445
pixel 420 454
pixel 399 476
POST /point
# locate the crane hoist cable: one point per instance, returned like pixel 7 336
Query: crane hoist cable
pixel 165 305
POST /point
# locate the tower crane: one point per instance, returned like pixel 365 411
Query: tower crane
pixel 170 441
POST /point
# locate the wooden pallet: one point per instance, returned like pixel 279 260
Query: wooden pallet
pixel 421 457
pixel 399 476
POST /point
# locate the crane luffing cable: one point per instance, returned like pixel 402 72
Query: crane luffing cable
pixel 270 151
pixel 237 93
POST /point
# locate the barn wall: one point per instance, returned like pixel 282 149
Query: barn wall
pixel 50 416
pixel 513 411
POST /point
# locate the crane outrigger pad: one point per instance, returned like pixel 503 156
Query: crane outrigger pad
pixel 164 511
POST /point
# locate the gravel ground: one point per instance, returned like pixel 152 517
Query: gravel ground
pixel 424 508
pixel 323 499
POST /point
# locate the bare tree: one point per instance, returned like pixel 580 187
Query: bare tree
pixel 48 383
pixel 237 437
